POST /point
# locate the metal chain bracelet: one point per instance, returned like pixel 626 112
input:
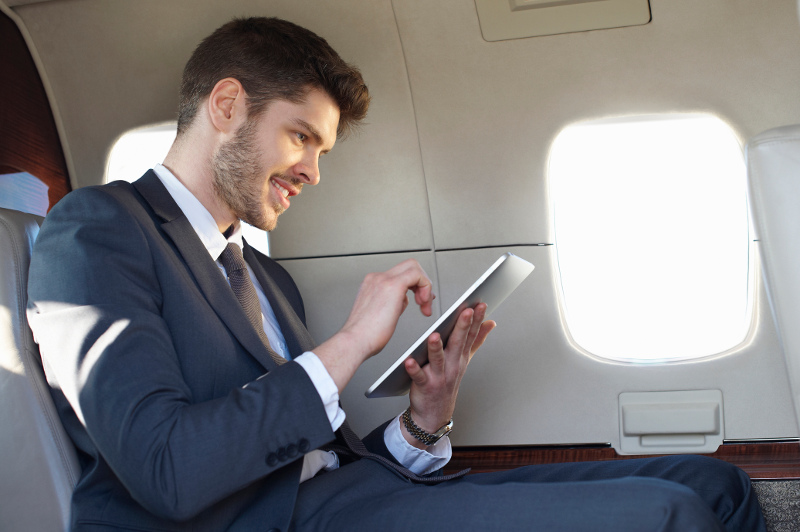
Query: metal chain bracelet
pixel 425 437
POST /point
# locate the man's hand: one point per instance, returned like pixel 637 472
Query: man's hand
pixel 380 302
pixel 435 386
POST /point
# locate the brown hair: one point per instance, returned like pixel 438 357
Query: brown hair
pixel 272 59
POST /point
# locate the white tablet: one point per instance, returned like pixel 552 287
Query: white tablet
pixel 502 278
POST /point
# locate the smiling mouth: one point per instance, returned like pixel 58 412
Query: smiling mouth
pixel 284 191
pixel 285 188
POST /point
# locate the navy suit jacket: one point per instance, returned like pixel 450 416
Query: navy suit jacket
pixel 181 419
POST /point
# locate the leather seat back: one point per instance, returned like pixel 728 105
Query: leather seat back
pixel 773 173
pixel 38 463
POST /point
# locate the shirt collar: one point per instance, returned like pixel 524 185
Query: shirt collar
pixel 201 220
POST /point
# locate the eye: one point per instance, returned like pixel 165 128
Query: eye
pixel 301 136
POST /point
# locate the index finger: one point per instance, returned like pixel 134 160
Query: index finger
pixel 418 282
pixel 424 296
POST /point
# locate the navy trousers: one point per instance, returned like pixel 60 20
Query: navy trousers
pixel 675 493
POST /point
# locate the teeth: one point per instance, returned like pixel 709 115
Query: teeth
pixel 281 189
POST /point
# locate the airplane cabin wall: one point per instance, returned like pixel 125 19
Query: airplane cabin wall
pixel 451 164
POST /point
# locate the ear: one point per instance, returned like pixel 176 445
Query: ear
pixel 226 105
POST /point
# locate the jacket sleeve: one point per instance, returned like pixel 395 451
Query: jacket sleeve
pixel 95 305
pixel 374 441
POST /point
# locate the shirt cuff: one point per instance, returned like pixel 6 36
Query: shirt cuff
pixel 421 462
pixel 325 386
pixel 316 461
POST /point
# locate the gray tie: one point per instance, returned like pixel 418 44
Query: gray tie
pixel 236 267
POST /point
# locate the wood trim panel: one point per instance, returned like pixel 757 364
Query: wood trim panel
pixel 762 461
pixel 29 140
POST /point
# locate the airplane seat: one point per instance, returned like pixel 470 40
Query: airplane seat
pixel 773 174
pixel 38 465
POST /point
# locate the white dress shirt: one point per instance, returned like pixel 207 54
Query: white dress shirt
pixel 419 461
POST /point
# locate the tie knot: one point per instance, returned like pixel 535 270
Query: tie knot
pixel 232 258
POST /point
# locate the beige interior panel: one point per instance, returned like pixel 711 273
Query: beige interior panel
pixel 488 112
pixel 517 19
pixel 530 384
pixel 109 77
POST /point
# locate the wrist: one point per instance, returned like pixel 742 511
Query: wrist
pixel 351 342
pixel 421 435
pixel 341 357
pixel 429 421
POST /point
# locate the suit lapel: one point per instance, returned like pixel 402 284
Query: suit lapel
pixel 205 271
pixel 297 337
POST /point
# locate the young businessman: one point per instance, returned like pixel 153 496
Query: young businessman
pixel 183 371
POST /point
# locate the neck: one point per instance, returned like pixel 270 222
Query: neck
pixel 194 171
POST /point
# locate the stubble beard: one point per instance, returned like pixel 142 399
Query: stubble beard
pixel 238 180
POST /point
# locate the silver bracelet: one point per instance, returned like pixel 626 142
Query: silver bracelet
pixel 425 437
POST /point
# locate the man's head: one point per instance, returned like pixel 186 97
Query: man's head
pixel 273 60
pixel 265 99
pixel 270 159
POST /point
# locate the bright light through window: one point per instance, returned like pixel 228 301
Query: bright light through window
pixel 139 150
pixel 652 238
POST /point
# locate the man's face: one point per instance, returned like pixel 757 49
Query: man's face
pixel 273 156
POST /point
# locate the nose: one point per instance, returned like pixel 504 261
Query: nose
pixel 308 168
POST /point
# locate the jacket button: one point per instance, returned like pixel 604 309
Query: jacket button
pixel 282 454
pixel 272 460
pixel 291 450
pixel 303 445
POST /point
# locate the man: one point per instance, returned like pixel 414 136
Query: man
pixel 166 340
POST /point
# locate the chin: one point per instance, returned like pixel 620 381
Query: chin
pixel 265 223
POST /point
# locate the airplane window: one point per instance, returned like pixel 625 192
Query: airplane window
pixel 652 236
pixel 137 151
pixel 24 192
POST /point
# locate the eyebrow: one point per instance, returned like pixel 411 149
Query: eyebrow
pixel 311 130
